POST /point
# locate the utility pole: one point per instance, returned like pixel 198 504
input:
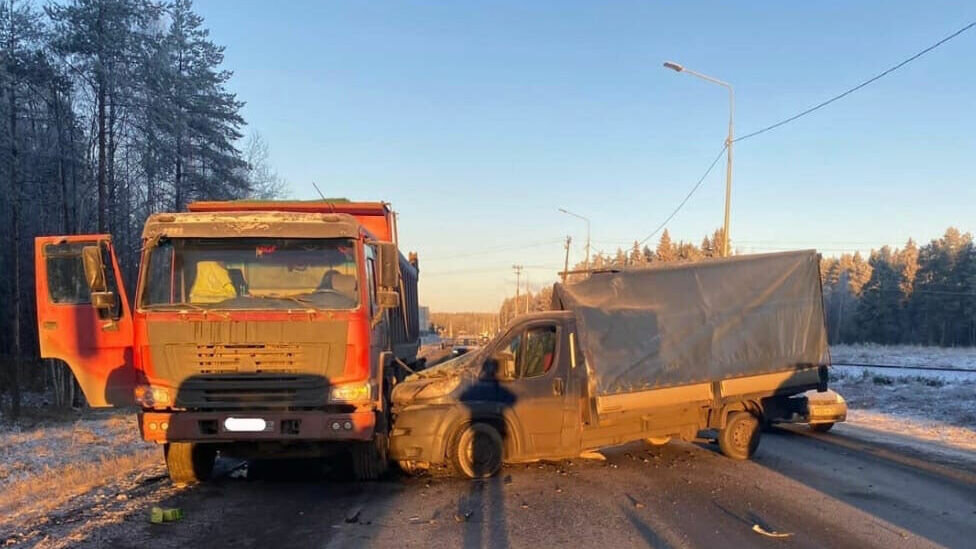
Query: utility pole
pixel 587 220
pixel 518 286
pixel 566 263
pixel 528 293
pixel 726 251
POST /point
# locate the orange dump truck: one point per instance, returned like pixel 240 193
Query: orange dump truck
pixel 256 328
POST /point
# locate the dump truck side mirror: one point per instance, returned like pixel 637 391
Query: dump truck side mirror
pixel 387 299
pixel 388 261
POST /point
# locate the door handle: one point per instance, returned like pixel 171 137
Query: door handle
pixel 557 386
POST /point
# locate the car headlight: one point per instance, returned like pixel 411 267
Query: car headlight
pixel 349 392
pixel 438 388
pixel 149 396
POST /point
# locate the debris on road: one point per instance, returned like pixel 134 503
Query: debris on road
pixel 353 514
pixel 158 515
pixel 760 530
pixel 463 516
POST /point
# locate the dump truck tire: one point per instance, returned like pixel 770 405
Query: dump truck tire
pixel 740 438
pixel 369 459
pixel 821 427
pixel 478 451
pixel 189 462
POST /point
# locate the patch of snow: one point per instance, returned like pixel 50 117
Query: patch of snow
pixel 947 400
pixel 905 355
pixel 870 425
pixel 27 452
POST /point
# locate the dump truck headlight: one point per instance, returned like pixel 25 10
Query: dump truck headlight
pixel 148 396
pixel 349 392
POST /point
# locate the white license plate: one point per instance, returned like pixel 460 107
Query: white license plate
pixel 246 424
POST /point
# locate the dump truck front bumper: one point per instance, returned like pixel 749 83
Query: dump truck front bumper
pixel 311 425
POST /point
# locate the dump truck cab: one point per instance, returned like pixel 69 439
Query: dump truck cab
pixel 272 328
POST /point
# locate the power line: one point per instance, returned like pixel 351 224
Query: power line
pixel 493 250
pixel 691 192
pixel 804 113
pixel 857 87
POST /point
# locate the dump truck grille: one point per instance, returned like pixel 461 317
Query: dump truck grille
pixel 249 358
pixel 252 391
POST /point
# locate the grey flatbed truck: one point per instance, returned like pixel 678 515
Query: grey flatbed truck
pixel 722 346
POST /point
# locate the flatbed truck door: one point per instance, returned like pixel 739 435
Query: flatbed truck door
pixel 540 390
pixel 95 343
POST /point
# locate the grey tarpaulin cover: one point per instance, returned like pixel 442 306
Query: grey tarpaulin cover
pixel 692 322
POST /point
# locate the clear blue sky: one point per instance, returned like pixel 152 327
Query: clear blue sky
pixel 478 119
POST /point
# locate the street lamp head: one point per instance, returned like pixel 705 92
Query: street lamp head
pixel 673 66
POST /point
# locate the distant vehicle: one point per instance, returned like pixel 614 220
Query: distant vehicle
pixel 459 350
pixel 724 345
pixel 464 344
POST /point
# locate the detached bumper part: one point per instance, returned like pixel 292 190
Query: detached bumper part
pixel 212 426
pixel 826 407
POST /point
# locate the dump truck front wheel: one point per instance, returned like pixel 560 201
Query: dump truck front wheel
pixel 478 451
pixel 740 438
pixel 189 462
pixel 369 459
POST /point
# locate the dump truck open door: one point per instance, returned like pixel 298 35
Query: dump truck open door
pixel 83 315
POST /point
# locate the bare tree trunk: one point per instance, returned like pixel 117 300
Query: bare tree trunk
pixel 102 186
pixel 15 237
pixel 178 183
pixel 110 167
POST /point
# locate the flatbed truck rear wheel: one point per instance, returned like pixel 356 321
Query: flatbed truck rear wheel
pixel 189 462
pixel 740 438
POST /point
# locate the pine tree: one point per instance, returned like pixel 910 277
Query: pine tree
pixel 206 117
pixel 636 256
pixel 620 258
pixel 99 38
pixel 665 250
pixel 648 254
pixel 718 242
pixel 878 311
pixel 707 249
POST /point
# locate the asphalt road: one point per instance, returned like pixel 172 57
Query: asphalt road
pixel 830 490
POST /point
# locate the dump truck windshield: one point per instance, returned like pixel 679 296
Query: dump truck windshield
pixel 251 273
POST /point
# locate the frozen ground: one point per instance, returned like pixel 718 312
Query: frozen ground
pixel 943 398
pixel 61 468
pixel 44 465
pixel 905 355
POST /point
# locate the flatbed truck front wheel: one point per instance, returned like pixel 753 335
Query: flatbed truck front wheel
pixel 189 462
pixel 740 438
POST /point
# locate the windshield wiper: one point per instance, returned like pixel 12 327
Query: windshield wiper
pixel 303 302
pixel 178 305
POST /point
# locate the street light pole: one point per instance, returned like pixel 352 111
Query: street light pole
pixel 728 144
pixel 565 211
